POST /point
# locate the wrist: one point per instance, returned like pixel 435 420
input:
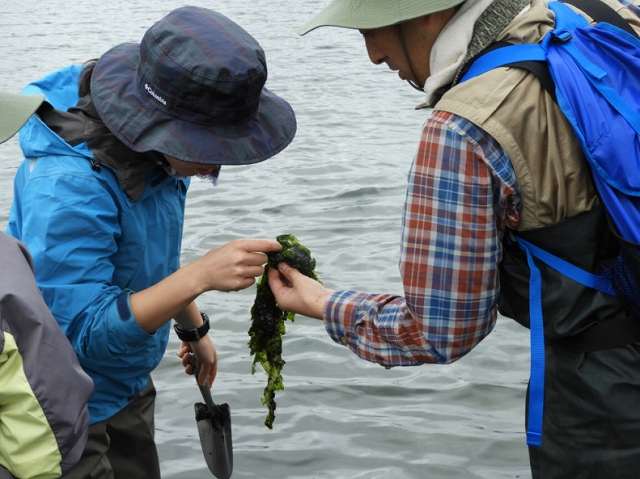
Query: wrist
pixel 320 303
pixel 193 334
pixel 194 278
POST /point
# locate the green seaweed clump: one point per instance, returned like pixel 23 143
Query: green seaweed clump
pixel 268 321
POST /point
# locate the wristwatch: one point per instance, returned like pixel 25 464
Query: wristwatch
pixel 193 334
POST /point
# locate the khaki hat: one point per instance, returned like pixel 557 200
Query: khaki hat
pixel 15 110
pixel 366 14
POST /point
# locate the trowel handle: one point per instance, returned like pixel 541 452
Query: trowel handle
pixel 206 395
pixel 204 390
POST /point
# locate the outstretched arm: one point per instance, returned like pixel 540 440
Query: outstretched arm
pixel 450 252
pixel 73 242
pixel 231 267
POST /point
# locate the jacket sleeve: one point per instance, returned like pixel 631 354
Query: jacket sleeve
pixel 70 224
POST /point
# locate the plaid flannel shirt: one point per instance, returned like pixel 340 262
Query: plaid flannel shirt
pixel 462 193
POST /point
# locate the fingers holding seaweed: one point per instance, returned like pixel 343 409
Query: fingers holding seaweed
pixel 267 319
pixel 259 245
pixel 244 283
pixel 296 292
pixel 255 259
pixel 235 265
pixel 254 271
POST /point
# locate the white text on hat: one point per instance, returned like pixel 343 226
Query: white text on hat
pixel 154 94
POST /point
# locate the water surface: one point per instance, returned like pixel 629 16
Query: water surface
pixel 340 188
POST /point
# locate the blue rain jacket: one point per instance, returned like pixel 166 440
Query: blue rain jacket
pixel 92 247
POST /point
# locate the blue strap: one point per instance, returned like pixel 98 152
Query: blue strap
pixel 536 325
pixel 536 374
pixel 597 77
pixel 568 20
pixel 601 283
pixel 504 56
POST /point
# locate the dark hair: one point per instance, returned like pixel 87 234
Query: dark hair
pixel 84 85
pixel 84 90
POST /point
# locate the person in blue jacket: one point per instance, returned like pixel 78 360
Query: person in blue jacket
pixel 99 201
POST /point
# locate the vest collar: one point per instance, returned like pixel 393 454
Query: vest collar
pixel 483 21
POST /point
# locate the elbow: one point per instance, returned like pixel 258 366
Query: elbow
pixel 109 329
pixel 453 356
pixel 465 338
pixel 460 346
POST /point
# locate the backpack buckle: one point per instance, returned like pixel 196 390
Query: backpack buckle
pixel 561 36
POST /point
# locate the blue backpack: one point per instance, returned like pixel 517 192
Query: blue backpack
pixel 593 72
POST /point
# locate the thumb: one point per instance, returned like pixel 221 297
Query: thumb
pixel 260 245
pixel 288 272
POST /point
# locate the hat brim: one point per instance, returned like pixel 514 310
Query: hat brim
pixel 15 110
pixel 137 121
pixel 364 15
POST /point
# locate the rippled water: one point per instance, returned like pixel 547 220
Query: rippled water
pixel 340 188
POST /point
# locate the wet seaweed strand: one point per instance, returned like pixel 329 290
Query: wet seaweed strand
pixel 268 321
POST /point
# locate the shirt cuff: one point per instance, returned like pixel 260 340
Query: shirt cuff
pixel 123 324
pixel 340 315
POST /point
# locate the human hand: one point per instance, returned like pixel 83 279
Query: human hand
pixel 298 293
pixel 205 353
pixel 235 265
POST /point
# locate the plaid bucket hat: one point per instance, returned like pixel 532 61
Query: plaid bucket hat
pixel 15 110
pixel 193 89
pixel 367 14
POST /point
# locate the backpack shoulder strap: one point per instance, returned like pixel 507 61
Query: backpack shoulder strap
pixel 530 57
pixel 527 57
pixel 601 12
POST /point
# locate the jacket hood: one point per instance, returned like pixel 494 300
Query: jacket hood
pixel 60 91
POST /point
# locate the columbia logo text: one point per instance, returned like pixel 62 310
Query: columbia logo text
pixel 154 94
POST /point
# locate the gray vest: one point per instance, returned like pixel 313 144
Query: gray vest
pixel 32 341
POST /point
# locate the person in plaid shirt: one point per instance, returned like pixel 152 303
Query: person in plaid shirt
pixel 462 192
pixel 460 183
pixel 496 157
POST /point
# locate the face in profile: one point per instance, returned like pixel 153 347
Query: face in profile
pixel 186 168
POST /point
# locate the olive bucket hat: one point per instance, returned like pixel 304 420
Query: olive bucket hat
pixel 15 110
pixel 366 14
pixel 193 89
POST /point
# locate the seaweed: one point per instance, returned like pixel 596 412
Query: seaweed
pixel 268 320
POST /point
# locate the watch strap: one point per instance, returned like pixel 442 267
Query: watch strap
pixel 193 334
